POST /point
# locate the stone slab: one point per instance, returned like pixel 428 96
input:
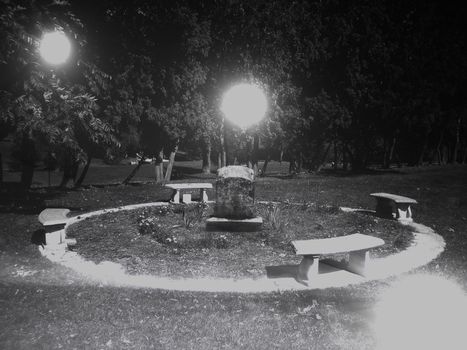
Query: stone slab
pixel 235 193
pixel 394 197
pixel 188 186
pixel 53 216
pixel 336 245
pixel 236 225
pixel 236 171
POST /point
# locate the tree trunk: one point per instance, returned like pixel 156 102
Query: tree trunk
pixel 348 157
pixel 223 147
pixel 206 157
pixel 423 150
pixel 219 160
pixel 323 158
pixel 292 166
pixel 438 148
pixel 457 140
pixel 336 155
pixel 345 162
pixel 391 151
pixel 168 173
pixel 300 162
pixel 27 174
pixel 159 166
pixel 133 172
pixel 265 165
pixel 255 153
pixel 1 170
pixel 80 180
pixel 70 171
pixel 28 156
pixel 388 152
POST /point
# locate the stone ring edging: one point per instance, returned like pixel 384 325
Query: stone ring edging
pixel 426 246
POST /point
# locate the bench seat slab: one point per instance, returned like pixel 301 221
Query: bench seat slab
pixel 188 186
pixel 53 216
pixel 358 262
pixel 394 197
pixel 336 245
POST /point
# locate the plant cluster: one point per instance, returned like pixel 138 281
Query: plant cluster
pixel 274 217
pixel 149 223
pixel 193 214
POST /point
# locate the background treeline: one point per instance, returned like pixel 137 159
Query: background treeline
pixel 358 83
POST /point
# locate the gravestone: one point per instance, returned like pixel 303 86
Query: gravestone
pixel 234 209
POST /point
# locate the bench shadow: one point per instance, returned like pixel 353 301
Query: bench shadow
pixel 38 237
pixel 281 271
pixel 368 212
pixel 290 271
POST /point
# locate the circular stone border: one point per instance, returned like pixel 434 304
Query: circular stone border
pixel 426 246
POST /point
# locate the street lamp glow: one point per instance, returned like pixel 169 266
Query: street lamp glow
pixel 55 48
pixel 244 104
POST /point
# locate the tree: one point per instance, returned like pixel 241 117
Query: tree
pixel 47 110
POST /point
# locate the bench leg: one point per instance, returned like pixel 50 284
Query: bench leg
pixel 176 196
pixel 358 261
pixel 186 198
pixel 54 234
pixel 404 213
pixel 308 269
pixel 203 195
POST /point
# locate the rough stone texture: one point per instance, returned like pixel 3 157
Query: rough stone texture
pixel 235 193
pixel 236 171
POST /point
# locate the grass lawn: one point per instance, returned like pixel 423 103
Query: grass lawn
pixel 46 306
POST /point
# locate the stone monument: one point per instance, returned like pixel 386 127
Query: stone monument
pixel 234 209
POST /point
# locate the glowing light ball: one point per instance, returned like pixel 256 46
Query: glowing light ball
pixel 244 105
pixel 422 312
pixel 55 48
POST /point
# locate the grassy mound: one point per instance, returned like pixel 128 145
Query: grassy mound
pixel 173 242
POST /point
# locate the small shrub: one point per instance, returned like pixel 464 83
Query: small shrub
pixel 221 242
pixel 193 214
pixel 210 241
pixel 275 219
pixel 149 224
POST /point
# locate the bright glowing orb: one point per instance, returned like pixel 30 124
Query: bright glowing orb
pixel 422 312
pixel 55 48
pixel 244 105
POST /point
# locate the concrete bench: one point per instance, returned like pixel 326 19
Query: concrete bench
pixel 54 221
pixel 392 206
pixel 357 245
pixel 189 186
